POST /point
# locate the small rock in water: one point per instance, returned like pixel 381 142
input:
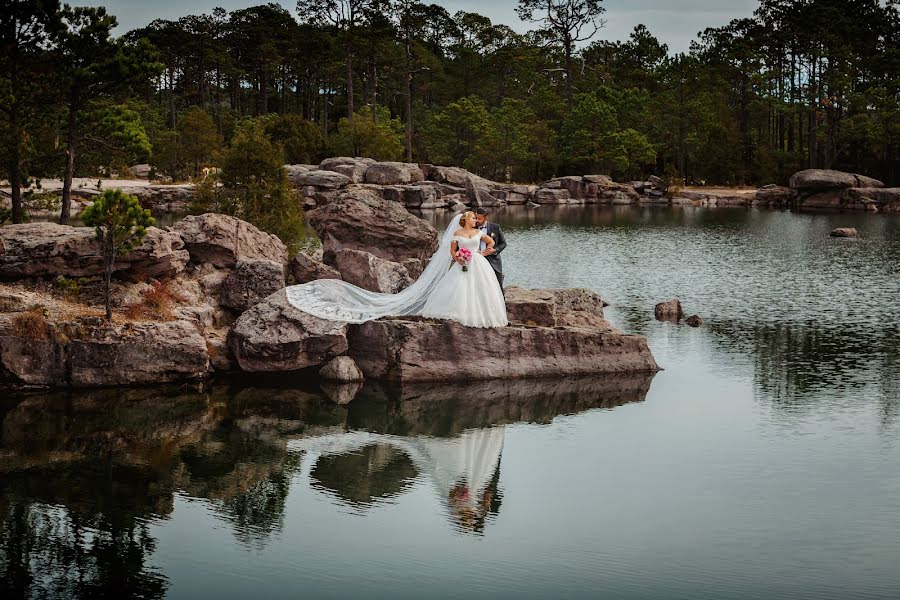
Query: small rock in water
pixel 342 369
pixel 531 204
pixel 669 311
pixel 844 232
pixel 694 321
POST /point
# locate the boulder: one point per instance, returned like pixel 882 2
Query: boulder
pixel 775 195
pixel 353 168
pixel 411 196
pixel 163 199
pixel 479 196
pixel 822 179
pixel 371 272
pixel 550 196
pixel 844 232
pixel 49 250
pixel 574 307
pixel 835 198
pixel 867 182
pixel 694 321
pixel 884 199
pixel 530 307
pixel 306 268
pixel 276 336
pixel 669 311
pixel 455 176
pixel 321 180
pixel 141 171
pixel 658 182
pixel 222 240
pixel 250 282
pixel 357 219
pixel 578 299
pixel 101 354
pixel 407 350
pixel 294 172
pixel 138 353
pixel 393 173
pixel 341 369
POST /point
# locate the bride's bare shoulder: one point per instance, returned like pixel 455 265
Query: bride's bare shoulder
pixel 459 232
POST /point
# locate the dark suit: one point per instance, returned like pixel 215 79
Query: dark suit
pixel 496 234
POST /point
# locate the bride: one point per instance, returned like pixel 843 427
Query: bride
pixel 445 290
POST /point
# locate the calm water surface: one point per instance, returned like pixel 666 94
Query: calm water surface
pixel 764 462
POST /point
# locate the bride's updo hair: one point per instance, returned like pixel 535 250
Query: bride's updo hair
pixel 465 217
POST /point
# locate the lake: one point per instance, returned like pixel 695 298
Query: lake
pixel 763 462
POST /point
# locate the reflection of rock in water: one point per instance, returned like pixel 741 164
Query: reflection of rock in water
pixel 363 476
pixel 108 459
pixel 444 409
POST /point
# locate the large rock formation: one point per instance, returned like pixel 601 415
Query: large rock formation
pixel 357 219
pixel 392 173
pixel 352 168
pixel 48 249
pixel 250 282
pixel 222 240
pixel 92 353
pixel 821 188
pixel 812 180
pixel 309 267
pixel 371 272
pixel 276 336
pixel 411 350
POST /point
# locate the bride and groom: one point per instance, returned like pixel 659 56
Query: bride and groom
pixel 462 282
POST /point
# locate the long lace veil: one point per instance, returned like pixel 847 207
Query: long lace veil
pixel 338 300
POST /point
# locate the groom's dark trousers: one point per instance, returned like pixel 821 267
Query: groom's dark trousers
pixel 494 259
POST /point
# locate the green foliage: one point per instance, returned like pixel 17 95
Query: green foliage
pixel 197 137
pixel 120 225
pixel 70 288
pixel 254 187
pixel 302 140
pixel 382 139
pixel 5 215
pixel 798 84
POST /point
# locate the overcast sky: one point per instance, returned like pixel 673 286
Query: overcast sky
pixel 674 22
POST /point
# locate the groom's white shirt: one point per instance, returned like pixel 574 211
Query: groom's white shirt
pixel 484 231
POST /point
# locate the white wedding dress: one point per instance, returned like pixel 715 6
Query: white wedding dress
pixel 472 297
pixel 443 291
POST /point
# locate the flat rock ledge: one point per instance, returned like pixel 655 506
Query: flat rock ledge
pixel 408 350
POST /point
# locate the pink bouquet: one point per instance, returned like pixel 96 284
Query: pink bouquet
pixel 466 255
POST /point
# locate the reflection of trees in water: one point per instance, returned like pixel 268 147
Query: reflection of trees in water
pixel 82 473
pixel 85 541
pixel 797 364
pixel 245 477
pixel 363 477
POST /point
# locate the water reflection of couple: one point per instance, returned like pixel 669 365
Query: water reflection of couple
pixel 463 470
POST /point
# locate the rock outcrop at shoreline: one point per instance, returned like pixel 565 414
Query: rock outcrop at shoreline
pixel 426 187
pixel 207 295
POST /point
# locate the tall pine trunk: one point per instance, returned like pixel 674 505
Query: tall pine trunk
pixel 15 159
pixel 109 257
pixel 65 211
pixel 349 83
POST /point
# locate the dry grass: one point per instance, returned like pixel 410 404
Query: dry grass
pixel 159 302
pixel 32 324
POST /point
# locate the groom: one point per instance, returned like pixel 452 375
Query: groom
pixel 493 230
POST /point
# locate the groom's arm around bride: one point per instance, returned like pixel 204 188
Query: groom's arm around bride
pixel 496 233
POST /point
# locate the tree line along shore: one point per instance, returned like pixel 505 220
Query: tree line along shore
pixel 799 84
